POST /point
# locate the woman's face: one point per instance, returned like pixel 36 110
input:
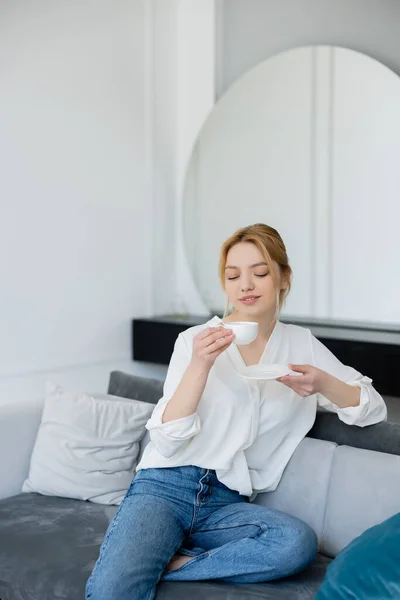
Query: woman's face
pixel 248 282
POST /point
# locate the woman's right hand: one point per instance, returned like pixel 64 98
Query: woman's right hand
pixel 209 344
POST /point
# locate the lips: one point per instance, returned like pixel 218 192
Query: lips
pixel 249 299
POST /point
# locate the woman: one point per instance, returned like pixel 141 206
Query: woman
pixel 218 439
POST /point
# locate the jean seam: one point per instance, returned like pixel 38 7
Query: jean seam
pixel 194 517
pixel 197 504
pixel 262 526
pixel 104 546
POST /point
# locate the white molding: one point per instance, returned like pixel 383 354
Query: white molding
pixel 180 60
pixel 195 99
pixel 149 133
pixel 322 182
pixel 219 47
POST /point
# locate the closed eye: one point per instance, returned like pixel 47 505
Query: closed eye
pixel 256 274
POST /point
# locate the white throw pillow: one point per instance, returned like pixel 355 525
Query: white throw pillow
pixel 87 446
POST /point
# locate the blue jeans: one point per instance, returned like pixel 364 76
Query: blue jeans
pixel 187 510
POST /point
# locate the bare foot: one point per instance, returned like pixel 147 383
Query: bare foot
pixel 177 562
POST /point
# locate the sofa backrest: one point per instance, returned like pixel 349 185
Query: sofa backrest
pixel 383 437
pixel 364 490
pixel 126 385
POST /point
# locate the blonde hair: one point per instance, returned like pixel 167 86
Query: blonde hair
pixel 272 248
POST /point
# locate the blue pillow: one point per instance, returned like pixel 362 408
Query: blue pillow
pixel 368 568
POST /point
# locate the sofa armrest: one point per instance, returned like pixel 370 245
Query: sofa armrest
pixel 19 423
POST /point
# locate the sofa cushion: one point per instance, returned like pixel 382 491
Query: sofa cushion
pixel 369 568
pixel 303 489
pixel 6 592
pixel 364 490
pixel 87 446
pixel 49 547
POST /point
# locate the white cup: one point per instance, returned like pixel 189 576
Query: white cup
pixel 245 331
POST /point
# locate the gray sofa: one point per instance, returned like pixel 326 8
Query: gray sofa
pixel 49 544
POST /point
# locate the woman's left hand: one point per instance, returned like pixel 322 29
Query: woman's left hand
pixel 311 381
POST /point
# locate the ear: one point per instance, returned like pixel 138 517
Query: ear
pixel 286 278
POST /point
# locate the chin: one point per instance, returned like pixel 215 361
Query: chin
pixel 251 311
pixel 255 312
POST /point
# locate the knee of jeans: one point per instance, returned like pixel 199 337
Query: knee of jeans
pixel 298 542
pixel 301 542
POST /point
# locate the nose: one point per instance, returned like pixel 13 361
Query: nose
pixel 246 285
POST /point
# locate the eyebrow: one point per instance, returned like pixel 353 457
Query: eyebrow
pixel 251 266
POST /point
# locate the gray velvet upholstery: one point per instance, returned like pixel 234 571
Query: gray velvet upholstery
pixel 49 544
pixel 136 388
pixel 382 437
pixel 6 592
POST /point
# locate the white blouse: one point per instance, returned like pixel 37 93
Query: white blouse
pixel 247 430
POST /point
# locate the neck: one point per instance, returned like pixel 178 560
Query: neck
pixel 265 327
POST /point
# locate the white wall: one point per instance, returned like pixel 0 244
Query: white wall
pixel 250 31
pixel 75 209
pixel 161 68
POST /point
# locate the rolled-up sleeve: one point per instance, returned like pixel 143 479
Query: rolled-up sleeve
pixel 172 436
pixel 372 408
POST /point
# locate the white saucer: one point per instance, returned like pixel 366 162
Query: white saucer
pixel 265 371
